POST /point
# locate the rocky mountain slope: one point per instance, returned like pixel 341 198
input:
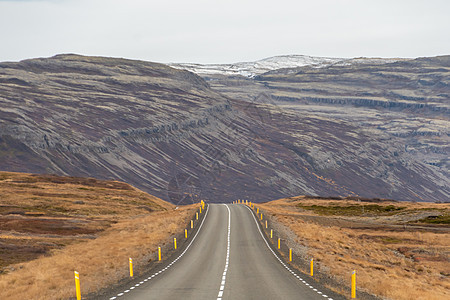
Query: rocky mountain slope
pixel 399 102
pixel 181 138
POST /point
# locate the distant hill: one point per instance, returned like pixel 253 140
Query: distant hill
pixel 182 137
pixel 252 69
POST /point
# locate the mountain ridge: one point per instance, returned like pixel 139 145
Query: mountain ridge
pixel 182 138
pixel 258 67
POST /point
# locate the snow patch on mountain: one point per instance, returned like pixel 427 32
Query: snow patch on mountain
pixel 252 69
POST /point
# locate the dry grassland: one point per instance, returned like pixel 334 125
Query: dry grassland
pixel 399 250
pixel 51 226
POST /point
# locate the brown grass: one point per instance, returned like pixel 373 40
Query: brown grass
pixel 53 225
pixel 100 262
pixel 395 254
pixel 39 213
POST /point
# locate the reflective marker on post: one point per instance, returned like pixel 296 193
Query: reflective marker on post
pixel 131 267
pixel 271 233
pixel 196 215
pixel 159 253
pixel 77 285
pixel 192 224
pixel 266 224
pixel 175 243
pixel 312 267
pixel 185 233
pixel 290 254
pixel 354 284
pixel 279 243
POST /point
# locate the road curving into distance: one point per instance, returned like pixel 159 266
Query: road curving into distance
pixel 229 258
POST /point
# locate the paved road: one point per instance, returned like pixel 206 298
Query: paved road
pixel 228 259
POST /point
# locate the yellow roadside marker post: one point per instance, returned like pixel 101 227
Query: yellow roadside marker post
pixel 77 285
pixel 354 284
pixel 131 266
pixel 200 209
pixel 185 233
pixel 290 254
pixel 175 243
pixel 192 224
pixel 261 216
pixel 159 253
pixel 279 243
pixel 312 267
pixel 271 233
pixel 257 210
pixel 266 224
pixel 196 215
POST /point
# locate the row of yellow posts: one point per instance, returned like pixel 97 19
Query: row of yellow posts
pixel 130 260
pixel 251 205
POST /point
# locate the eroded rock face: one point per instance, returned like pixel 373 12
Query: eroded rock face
pixel 182 138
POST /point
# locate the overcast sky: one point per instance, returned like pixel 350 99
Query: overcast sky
pixel 223 31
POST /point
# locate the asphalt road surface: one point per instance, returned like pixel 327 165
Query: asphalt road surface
pixel 228 259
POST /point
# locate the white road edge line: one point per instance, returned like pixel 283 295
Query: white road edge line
pixel 225 270
pixel 273 252
pixel 176 259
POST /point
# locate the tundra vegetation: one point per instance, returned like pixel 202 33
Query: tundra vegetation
pixel 400 250
pixel 51 226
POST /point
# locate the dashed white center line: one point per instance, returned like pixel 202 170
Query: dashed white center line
pixel 225 270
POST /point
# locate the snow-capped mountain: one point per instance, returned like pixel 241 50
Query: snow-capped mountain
pixel 252 69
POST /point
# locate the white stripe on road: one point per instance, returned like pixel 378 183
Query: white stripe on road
pixel 225 270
